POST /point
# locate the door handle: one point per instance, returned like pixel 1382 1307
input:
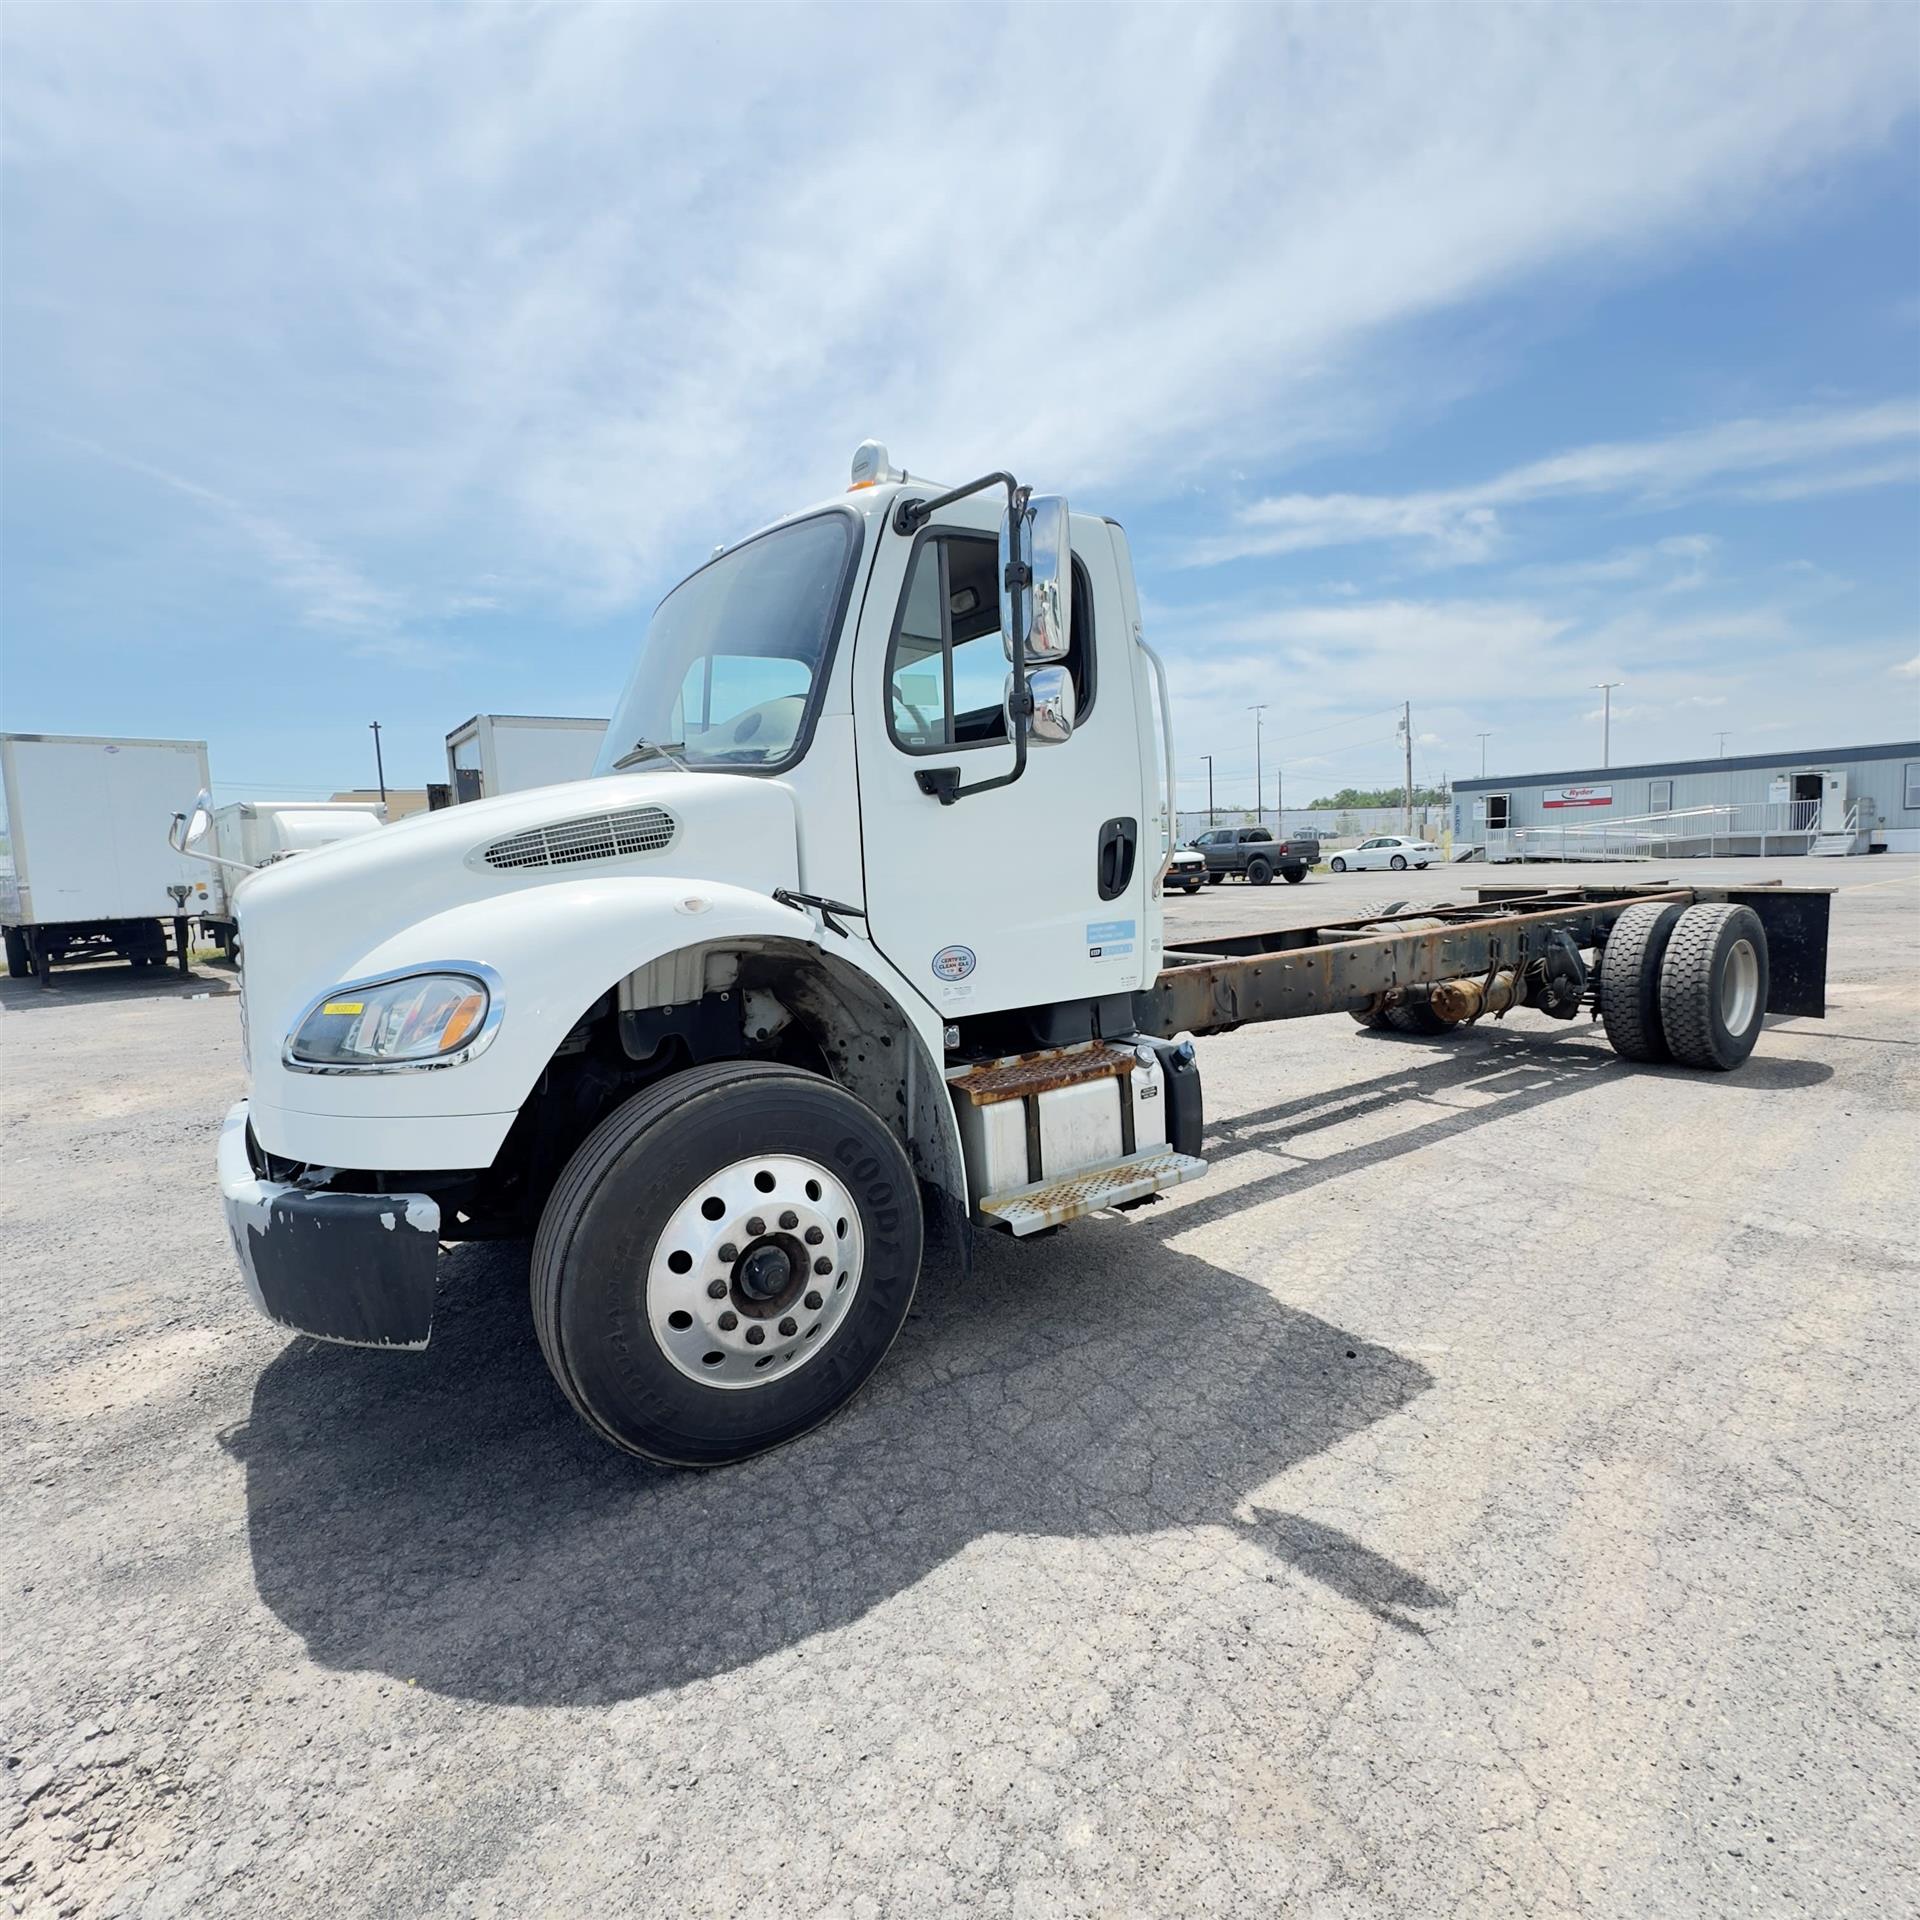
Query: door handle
pixel 1113 859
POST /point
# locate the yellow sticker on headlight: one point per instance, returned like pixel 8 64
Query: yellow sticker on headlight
pixel 344 1006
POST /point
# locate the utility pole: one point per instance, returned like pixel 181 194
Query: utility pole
pixel 1259 779
pixel 379 766
pixel 1723 746
pixel 1208 758
pixel 1605 689
pixel 1280 798
pixel 1406 735
pixel 1482 738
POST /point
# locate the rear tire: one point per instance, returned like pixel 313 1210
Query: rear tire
pixel 1630 979
pixel 1415 1018
pixel 1713 986
pixel 19 966
pixel 1293 875
pixel 1398 863
pixel 1259 872
pixel 629 1234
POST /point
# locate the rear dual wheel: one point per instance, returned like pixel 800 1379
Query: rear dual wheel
pixel 1687 984
pixel 724 1262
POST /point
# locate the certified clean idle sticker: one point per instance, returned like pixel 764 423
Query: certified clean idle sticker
pixel 953 963
pixel 1109 939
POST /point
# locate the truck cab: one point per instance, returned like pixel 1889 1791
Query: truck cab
pixel 795 902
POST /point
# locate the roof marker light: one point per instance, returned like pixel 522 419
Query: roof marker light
pixel 870 468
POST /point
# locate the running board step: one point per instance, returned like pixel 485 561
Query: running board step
pixel 1051 1203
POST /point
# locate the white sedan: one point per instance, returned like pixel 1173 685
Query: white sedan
pixel 1387 850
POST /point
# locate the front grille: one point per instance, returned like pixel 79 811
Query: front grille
pixel 594 836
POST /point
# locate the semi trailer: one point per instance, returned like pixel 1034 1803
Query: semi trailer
pixel 85 869
pixel 851 949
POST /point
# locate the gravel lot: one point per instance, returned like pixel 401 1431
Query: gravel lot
pixel 1491 1491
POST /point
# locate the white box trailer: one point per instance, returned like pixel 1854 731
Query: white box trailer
pixel 256 833
pixel 496 753
pixel 85 868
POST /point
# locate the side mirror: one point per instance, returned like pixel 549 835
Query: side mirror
pixel 1051 690
pixel 193 826
pixel 1037 538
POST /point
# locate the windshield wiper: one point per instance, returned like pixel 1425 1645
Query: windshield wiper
pixel 645 749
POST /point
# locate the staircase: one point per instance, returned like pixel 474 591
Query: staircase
pixel 1832 845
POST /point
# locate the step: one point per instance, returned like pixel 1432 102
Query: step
pixel 1831 845
pixel 1051 1203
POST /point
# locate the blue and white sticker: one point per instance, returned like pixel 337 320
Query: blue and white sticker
pixel 953 963
pixel 1110 939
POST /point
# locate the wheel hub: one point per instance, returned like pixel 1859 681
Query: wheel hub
pixel 755 1271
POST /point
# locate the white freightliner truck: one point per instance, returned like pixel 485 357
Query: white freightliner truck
pixel 781 1003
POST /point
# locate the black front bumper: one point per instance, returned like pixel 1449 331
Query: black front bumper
pixel 353 1267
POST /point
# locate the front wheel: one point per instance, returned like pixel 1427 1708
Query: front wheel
pixel 1337 864
pixel 724 1262
pixel 1398 863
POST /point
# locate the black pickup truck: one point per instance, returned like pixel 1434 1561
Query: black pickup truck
pixel 1256 855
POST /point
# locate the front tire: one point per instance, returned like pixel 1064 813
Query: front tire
pixel 678 1285
pixel 1337 864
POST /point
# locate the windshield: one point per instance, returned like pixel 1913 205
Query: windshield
pixel 729 670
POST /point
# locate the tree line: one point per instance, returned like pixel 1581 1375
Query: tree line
pixel 1383 797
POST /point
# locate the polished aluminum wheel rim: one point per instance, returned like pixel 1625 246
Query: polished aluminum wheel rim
pixel 1740 987
pixel 755 1272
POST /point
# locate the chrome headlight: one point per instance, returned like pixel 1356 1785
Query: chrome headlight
pixel 435 1017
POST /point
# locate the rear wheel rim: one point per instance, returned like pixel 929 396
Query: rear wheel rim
pixel 755 1271
pixel 1740 987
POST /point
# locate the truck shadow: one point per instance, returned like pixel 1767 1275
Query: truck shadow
pixel 443 1518
pixel 1443 1088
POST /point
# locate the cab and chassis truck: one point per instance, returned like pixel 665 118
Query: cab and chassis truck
pixel 760 1020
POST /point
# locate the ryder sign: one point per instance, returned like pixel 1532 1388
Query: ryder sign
pixel 1577 797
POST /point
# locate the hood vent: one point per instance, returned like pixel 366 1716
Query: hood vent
pixel 593 836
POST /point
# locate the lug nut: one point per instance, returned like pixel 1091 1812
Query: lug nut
pixel 729 1320
pixel 755 1335
pixel 789 1220
pixel 716 1289
pixel 756 1226
pixel 729 1252
pixel 789 1328
pixel 812 1303
pixel 823 1265
pixel 813 1236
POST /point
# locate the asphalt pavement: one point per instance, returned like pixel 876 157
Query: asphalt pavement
pixel 1490 1491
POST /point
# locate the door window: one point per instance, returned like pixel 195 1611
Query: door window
pixel 947 666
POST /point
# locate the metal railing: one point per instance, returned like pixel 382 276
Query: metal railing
pixel 1760 826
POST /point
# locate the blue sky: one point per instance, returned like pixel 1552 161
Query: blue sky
pixel 389 363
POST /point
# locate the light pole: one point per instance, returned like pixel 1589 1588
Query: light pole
pixel 1259 780
pixel 1723 746
pixel 379 766
pixel 1208 758
pixel 1605 689
pixel 1482 738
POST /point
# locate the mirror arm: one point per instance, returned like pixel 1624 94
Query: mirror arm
pixel 911 515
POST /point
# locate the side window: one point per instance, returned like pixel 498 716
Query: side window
pixel 947 665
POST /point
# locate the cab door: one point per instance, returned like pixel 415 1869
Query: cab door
pixel 1029 894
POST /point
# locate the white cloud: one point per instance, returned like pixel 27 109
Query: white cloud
pixel 570 294
pixel 1909 669
pixel 1463 524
